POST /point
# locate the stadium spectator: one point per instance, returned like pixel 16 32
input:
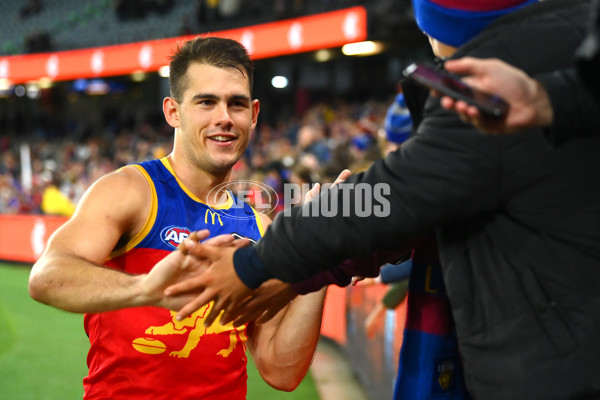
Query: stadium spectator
pixel 398 124
pixel 564 101
pixel 54 201
pixel 311 141
pixel 9 199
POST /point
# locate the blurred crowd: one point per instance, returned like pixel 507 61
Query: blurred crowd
pixel 312 148
pixel 40 32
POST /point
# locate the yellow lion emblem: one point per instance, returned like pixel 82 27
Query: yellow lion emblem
pixel 194 327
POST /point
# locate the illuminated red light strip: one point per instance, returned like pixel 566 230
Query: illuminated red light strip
pixel 273 39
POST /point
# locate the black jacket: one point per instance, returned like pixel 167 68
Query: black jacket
pixel 517 220
pixel 575 109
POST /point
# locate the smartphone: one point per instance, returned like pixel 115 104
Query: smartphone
pixel 452 86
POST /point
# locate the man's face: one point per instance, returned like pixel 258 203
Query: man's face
pixel 215 117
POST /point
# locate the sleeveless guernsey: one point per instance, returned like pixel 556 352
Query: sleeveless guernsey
pixel 144 353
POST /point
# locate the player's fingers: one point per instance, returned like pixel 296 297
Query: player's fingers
pixel 194 305
pixel 240 243
pixel 185 246
pixel 191 241
pixel 187 263
pixel 194 268
pixel 220 240
pixel 192 283
pixel 192 262
pixel 199 235
pixel 202 250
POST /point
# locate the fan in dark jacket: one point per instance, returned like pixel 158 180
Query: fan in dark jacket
pixel 517 220
pixel 565 102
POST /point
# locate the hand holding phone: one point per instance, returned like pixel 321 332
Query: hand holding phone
pixel 452 86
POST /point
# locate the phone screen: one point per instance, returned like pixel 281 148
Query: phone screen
pixel 453 86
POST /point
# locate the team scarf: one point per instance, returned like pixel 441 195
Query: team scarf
pixel 429 366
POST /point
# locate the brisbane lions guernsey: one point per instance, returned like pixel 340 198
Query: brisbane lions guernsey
pixel 145 353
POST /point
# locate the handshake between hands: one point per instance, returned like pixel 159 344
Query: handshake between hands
pixel 200 271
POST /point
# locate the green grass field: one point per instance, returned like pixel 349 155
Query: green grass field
pixel 43 350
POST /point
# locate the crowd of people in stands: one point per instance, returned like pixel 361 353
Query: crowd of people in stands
pixel 312 148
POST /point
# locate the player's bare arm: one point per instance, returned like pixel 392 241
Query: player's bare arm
pixel 282 348
pixel 69 275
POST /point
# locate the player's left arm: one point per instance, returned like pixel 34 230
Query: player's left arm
pixel 283 347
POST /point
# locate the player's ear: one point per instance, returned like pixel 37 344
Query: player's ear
pixel 255 111
pixel 171 111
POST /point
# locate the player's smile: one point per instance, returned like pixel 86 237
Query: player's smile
pixel 223 138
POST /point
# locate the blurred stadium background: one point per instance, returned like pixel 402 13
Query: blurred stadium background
pixel 81 87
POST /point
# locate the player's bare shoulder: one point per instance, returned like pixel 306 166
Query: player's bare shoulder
pixel 124 195
pixel 124 185
pixel 111 210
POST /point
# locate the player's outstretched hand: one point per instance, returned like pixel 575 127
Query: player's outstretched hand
pixel 175 267
pixel 219 282
pixel 182 265
pixel 529 105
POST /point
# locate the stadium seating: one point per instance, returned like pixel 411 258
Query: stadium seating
pixel 73 24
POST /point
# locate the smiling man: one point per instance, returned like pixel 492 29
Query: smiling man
pixel 114 257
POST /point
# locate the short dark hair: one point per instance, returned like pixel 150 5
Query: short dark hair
pixel 215 51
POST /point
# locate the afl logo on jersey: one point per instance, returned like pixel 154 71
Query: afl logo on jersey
pixel 173 235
